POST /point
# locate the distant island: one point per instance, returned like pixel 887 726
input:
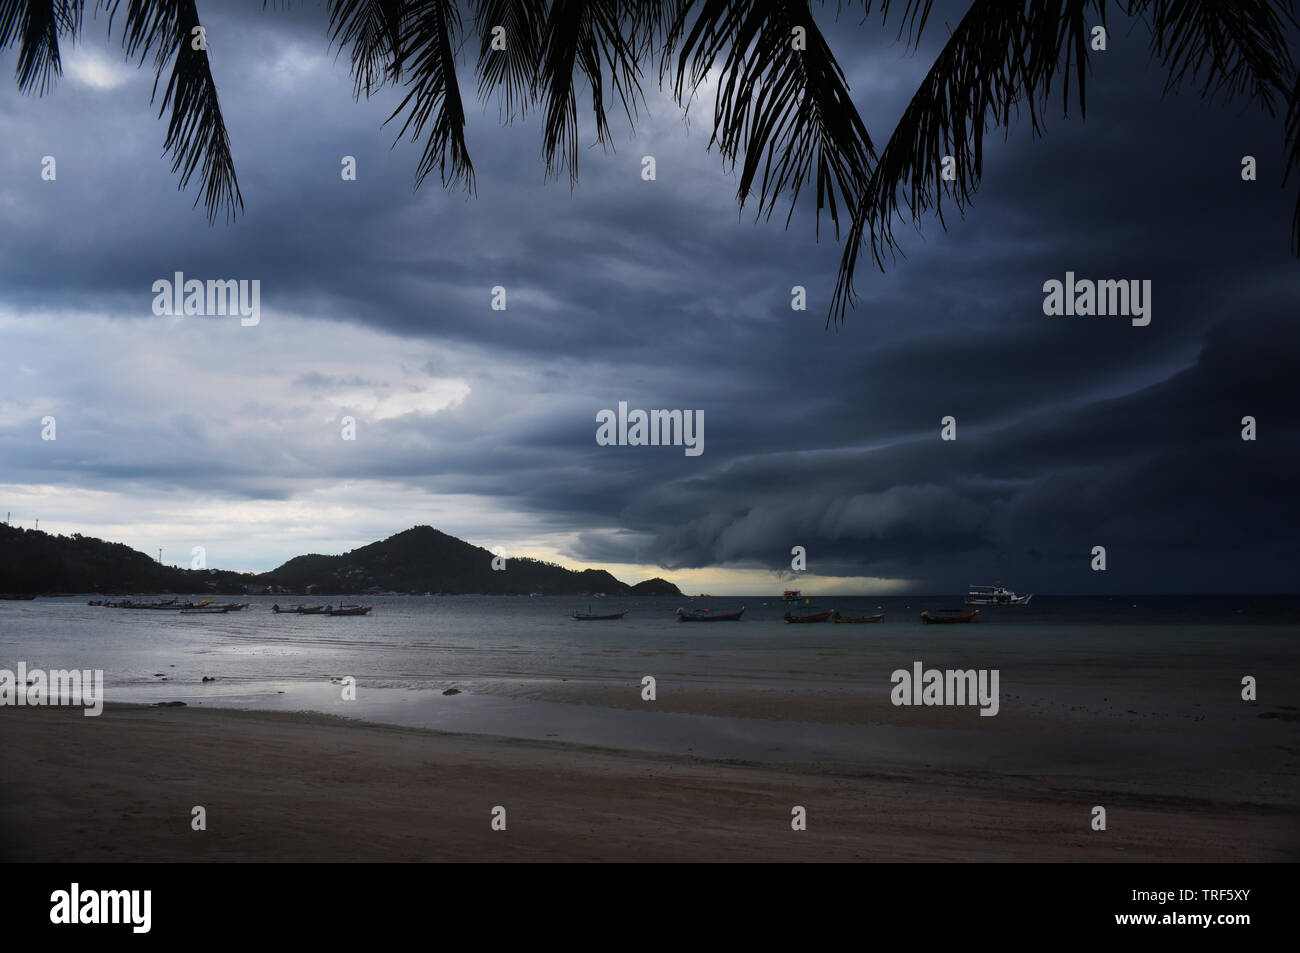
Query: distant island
pixel 418 560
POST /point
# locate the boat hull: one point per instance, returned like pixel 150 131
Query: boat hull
pixel 814 617
pixel 869 618
pixel 684 616
pixel 584 617
pixel 947 618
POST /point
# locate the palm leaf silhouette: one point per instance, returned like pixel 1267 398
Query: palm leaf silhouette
pixel 36 28
pixel 196 132
pixel 427 35
pixel 512 71
pixel 1003 57
pixel 781 110
pixel 783 117
pixel 373 31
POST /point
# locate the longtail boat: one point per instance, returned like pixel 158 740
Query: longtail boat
pixel 708 615
pixel 300 610
pixel 811 617
pixel 866 618
pixel 950 615
pixel 349 610
pixel 205 610
pixel 592 617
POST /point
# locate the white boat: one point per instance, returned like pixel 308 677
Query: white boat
pixel 995 595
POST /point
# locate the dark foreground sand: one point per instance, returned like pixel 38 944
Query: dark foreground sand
pixel 281 787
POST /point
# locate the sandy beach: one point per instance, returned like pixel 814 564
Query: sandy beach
pixel 283 786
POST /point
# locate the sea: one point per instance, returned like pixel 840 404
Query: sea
pixel 521 667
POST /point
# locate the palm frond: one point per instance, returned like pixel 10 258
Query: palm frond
pixel 196 131
pixel 911 21
pixel 1232 49
pixel 36 25
pixel 1228 48
pixel 1004 56
pixel 373 30
pixel 428 41
pixel 784 114
pixel 1293 160
pixel 513 70
pixel 593 37
pixel 999 57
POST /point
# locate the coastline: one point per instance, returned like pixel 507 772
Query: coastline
pixel 296 786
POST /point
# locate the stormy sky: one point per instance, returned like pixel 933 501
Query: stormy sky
pixel 1072 432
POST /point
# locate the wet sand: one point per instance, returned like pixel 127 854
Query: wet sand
pixel 283 786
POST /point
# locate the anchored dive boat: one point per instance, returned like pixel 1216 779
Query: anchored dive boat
pixel 995 595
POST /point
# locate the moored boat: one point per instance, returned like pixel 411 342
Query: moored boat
pixel 866 618
pixel 950 615
pixel 821 616
pixel 205 610
pixel 299 610
pixel 595 617
pixel 708 615
pixel 995 595
pixel 348 610
pixel 791 595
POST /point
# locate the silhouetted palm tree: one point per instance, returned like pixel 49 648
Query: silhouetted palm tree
pixel 782 113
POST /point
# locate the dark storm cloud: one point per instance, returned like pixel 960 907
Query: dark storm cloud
pixel 1161 477
pixel 1073 432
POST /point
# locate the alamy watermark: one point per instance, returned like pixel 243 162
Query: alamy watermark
pixel 74 906
pixel 932 686
pixel 36 687
pixel 1106 297
pixel 211 298
pixel 655 428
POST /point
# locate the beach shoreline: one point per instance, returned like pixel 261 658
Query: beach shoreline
pixel 301 786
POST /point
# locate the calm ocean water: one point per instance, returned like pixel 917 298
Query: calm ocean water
pixel 1174 657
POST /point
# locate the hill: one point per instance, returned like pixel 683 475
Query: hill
pixel 36 562
pixel 421 559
